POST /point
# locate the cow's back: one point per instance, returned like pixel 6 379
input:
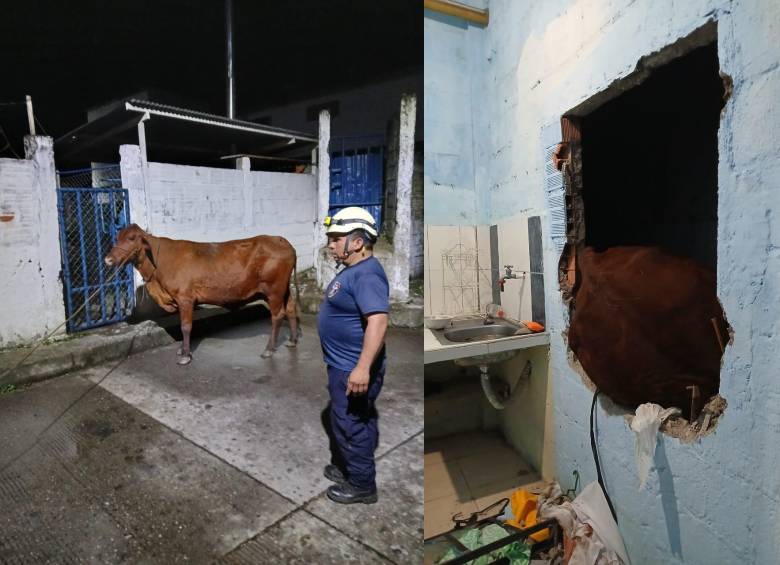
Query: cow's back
pixel 642 325
pixel 225 272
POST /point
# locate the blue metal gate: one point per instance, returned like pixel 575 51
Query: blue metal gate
pixel 356 174
pixel 93 207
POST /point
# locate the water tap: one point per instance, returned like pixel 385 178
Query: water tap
pixel 507 275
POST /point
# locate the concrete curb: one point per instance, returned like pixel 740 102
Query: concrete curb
pixel 86 350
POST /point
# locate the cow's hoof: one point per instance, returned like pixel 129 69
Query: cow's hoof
pixel 291 343
pixel 184 360
pixel 267 353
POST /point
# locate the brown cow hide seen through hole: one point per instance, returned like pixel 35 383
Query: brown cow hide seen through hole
pixel 641 326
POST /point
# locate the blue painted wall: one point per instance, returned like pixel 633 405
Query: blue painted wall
pixel 451 75
pixel 714 501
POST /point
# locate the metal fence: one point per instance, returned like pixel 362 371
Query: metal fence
pixel 92 209
pixel 108 176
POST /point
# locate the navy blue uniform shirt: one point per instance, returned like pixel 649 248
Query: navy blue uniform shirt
pixel 355 292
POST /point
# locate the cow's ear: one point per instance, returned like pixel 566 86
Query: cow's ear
pixel 148 249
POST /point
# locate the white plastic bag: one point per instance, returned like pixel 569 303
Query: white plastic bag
pixel 645 424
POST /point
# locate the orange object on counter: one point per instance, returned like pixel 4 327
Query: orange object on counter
pixel 524 509
pixel 534 326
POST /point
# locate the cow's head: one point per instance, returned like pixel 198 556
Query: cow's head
pixel 130 243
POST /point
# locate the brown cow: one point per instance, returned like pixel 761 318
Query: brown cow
pixel 642 326
pixel 180 274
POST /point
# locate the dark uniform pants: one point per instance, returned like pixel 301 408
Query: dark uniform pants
pixel 353 421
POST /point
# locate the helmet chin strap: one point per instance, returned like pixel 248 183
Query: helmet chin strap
pixel 346 252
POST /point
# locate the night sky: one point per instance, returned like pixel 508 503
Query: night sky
pixel 72 55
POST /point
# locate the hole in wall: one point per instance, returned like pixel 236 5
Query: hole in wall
pixel 639 268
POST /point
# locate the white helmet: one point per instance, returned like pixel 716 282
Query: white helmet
pixel 350 219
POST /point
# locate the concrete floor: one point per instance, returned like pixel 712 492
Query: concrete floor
pixel 217 461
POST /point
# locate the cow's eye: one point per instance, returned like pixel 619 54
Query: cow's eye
pixel 132 237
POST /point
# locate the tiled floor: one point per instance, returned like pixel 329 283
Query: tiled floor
pixel 467 472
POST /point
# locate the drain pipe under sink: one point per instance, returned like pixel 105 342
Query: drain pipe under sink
pixel 498 400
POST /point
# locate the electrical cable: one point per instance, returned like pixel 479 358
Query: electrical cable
pixel 595 450
pixel 8 143
pixel 37 121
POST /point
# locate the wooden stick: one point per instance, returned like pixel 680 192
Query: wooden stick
pixel 717 334
pixel 694 401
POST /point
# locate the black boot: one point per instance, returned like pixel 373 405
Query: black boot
pixel 333 473
pixel 346 493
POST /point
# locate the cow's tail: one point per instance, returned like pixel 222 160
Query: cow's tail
pixel 297 297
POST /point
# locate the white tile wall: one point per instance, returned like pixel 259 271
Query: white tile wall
pixel 513 250
pixel 451 279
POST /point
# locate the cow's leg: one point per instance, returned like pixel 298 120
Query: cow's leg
pixel 292 317
pixel 185 313
pixel 276 306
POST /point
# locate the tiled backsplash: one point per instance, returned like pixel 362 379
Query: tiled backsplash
pixel 460 277
pixel 451 282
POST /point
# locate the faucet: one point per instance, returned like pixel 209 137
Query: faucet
pixel 507 275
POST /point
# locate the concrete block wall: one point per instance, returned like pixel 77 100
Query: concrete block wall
pixel 713 501
pixel 207 204
pixel 29 246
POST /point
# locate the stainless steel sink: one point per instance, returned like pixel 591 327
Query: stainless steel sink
pixel 483 332
pixel 479 333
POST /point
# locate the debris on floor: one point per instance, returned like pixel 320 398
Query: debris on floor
pixel 590 534
pixel 518 553
pixel 500 531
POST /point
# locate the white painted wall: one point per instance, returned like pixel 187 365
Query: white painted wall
pixel 29 246
pixel 208 204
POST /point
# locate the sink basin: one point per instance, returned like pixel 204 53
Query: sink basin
pixel 483 333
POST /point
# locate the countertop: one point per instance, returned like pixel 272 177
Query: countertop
pixel 438 348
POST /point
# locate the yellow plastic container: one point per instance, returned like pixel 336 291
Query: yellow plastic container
pixel 524 508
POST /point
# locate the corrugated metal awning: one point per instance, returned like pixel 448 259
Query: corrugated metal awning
pixel 157 109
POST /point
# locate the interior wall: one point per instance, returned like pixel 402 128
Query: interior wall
pixel 452 65
pixel 454 402
pixel 540 61
pixel 523 421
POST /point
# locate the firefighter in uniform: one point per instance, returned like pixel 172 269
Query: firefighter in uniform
pixel 352 323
